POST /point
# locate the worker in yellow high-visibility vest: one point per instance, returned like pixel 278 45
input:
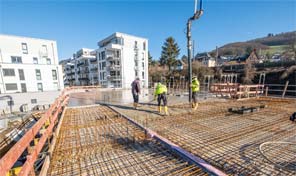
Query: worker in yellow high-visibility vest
pixel 195 89
pixel 160 93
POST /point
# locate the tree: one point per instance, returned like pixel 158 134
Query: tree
pixel 149 58
pixel 170 52
pixel 249 73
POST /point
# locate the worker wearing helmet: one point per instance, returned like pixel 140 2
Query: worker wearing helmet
pixel 160 92
pixel 195 89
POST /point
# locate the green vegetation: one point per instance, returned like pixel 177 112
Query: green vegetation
pixel 170 53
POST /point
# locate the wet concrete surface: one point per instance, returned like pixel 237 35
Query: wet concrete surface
pixel 122 100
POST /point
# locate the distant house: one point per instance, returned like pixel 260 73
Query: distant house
pixel 253 57
pixel 206 59
pixel 179 65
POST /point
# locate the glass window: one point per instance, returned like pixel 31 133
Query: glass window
pixel 117 53
pixel 38 74
pixel 48 61
pixel 21 74
pixel 8 72
pixel 11 86
pixel 35 60
pixel 144 46
pixel 54 75
pixel 16 59
pixel 143 75
pixel 44 49
pixel 40 87
pixel 25 48
pixel 103 65
pixel 136 44
pixel 103 55
pixel 143 65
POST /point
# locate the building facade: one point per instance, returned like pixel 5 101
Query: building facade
pixel 121 59
pixel 29 65
pixel 81 69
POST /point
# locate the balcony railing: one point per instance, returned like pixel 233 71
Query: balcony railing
pixel 114 67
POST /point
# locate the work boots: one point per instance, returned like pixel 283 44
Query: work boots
pixel 194 106
pixel 159 109
pixel 135 105
pixel 166 110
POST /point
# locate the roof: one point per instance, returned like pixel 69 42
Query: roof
pixel 15 36
pixel 118 34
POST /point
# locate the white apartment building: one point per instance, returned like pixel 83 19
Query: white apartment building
pixel 29 65
pixel 121 59
pixel 82 69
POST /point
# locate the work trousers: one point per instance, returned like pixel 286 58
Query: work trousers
pixel 136 97
pixel 163 98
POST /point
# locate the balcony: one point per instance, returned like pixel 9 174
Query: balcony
pixel 112 58
pixel 114 78
pixel 95 69
pixel 93 60
pixel 114 67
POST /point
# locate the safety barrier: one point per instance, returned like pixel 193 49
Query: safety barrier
pixel 44 126
pixel 235 90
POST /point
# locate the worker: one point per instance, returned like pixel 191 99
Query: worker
pixel 136 91
pixel 195 89
pixel 160 92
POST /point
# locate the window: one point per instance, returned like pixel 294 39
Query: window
pixel 143 65
pixel 40 87
pixel 44 49
pixel 35 60
pixel 11 86
pixel 34 101
pixel 21 74
pixel 136 63
pixel 25 48
pixel 8 72
pixel 144 46
pixel 55 86
pixel 143 75
pixel 54 75
pixel 38 74
pixel 117 54
pixel 48 61
pixel 103 65
pixel 23 87
pixel 136 73
pixel 103 55
pixel 99 56
pixel 136 44
pixel 16 59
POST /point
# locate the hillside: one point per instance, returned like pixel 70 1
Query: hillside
pixel 271 44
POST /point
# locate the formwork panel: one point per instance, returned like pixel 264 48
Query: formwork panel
pixel 98 141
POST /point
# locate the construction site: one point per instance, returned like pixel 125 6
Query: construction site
pixel 96 131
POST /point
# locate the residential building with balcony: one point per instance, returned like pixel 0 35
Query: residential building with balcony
pixel 81 69
pixel 122 58
pixel 29 65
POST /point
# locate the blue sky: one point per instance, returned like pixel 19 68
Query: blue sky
pixel 76 24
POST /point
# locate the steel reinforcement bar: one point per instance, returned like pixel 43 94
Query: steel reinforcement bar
pixel 177 149
pixel 50 116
